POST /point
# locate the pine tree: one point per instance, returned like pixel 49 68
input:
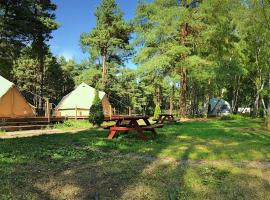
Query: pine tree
pixel 42 27
pixel 96 115
pixel 109 40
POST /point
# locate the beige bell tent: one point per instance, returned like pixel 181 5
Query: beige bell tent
pixel 12 102
pixel 78 102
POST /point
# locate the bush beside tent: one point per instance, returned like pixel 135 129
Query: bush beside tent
pixel 96 115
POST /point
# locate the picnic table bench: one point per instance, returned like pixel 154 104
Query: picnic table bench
pixel 130 123
pixel 165 118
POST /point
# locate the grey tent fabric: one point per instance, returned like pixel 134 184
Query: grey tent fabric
pixel 218 106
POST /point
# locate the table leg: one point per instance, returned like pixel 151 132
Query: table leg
pixel 138 129
pixel 159 119
pixel 129 124
pixel 163 119
pixel 113 133
pixel 146 121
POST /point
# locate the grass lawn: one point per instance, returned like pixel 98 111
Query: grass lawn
pixel 191 160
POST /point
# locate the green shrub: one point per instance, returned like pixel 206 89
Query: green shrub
pixel 157 111
pixel 96 115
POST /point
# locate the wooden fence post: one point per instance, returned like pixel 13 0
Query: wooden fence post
pixel 48 110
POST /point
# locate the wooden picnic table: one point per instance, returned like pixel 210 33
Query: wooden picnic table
pixel 130 123
pixel 165 117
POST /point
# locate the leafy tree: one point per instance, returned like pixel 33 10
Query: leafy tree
pixel 109 40
pixel 25 22
pixel 89 73
pixel 57 82
pixel 15 25
pixel 43 24
pixel 167 41
pixel 69 72
pixel 96 115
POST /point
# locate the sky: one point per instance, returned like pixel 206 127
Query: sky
pixel 76 17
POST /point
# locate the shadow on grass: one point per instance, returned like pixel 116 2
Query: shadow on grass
pixel 86 165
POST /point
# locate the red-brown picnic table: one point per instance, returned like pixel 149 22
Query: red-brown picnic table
pixel 130 123
pixel 165 117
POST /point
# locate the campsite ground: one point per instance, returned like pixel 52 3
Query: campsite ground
pixel 211 159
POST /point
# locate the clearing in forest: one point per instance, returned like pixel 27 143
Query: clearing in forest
pixel 211 159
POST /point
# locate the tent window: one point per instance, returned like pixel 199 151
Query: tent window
pixel 224 107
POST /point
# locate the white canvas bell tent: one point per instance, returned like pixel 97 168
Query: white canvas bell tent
pixel 12 102
pixel 78 102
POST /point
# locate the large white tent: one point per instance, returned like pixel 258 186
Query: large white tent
pixel 12 102
pixel 218 107
pixel 78 102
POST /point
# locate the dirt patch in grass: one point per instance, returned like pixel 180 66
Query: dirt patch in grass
pixel 31 133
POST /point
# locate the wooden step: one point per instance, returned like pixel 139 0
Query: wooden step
pixel 13 123
pixel 2 124
pixel 24 127
pixel 32 119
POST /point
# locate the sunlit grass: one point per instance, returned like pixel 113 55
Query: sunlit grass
pixel 87 163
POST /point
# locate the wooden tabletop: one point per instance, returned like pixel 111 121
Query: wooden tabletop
pixel 165 114
pixel 125 117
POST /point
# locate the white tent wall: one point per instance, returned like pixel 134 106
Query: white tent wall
pixel 78 102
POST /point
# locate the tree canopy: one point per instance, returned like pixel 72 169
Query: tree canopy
pixel 186 52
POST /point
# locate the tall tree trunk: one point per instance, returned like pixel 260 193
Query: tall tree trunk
pixel 104 67
pixel 235 100
pixel 259 85
pixel 41 71
pixel 41 82
pixel 171 100
pixel 158 95
pixel 183 75
pixel 257 98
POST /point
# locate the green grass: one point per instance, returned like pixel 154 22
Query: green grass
pixel 73 124
pixel 190 160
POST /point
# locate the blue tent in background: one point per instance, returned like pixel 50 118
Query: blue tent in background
pixel 218 107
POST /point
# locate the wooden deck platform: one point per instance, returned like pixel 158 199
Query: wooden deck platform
pixel 28 123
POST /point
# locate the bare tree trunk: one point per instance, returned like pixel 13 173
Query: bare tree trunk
pixel 264 107
pixel 256 102
pixel 259 86
pixel 41 71
pixel 158 95
pixel 205 105
pixel 183 74
pixel 183 93
pixel 171 100
pixel 104 68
